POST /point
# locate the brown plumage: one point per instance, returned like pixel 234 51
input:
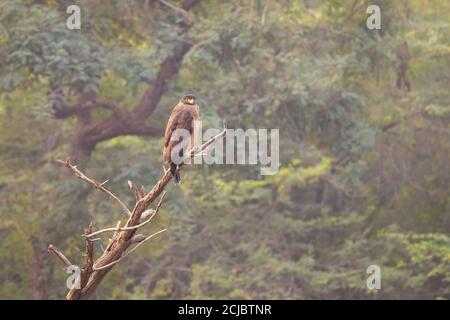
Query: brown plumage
pixel 182 117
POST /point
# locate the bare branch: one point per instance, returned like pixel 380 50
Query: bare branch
pixel 129 252
pixel 142 242
pixel 115 233
pixel 142 191
pixel 77 108
pixel 94 183
pixel 117 228
pixel 160 202
pixel 53 249
pixel 134 189
pixel 89 254
pixel 96 233
pixel 203 147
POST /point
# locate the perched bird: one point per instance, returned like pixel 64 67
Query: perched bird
pixel 182 117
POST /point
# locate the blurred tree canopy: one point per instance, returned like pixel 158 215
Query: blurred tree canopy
pixel 364 118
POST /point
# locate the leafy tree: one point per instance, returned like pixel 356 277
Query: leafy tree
pixel 364 124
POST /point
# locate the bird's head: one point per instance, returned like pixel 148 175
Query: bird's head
pixel 188 99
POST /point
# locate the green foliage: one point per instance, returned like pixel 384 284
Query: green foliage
pixel 349 193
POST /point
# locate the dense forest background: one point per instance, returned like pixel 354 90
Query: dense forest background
pixel 364 119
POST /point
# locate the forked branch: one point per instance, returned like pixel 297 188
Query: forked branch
pixel 94 184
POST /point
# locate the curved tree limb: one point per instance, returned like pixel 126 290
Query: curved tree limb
pixel 95 184
pixel 59 255
pixel 65 112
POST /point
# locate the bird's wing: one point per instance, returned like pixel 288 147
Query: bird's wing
pixel 171 125
pixel 180 119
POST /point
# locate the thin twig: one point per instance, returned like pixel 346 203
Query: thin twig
pixel 53 249
pixel 89 252
pixel 94 183
pixel 140 243
pixel 160 202
pixel 118 228
pixel 96 233
pixel 129 252
pixel 194 151
pixel 110 240
pixel 134 189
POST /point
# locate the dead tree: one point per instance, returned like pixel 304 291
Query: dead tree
pixel 124 239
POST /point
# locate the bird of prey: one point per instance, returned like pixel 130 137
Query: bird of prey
pixel 182 117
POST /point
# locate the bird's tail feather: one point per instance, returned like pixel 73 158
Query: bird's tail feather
pixel 175 173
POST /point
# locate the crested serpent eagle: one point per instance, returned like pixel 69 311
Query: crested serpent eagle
pixel 182 117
